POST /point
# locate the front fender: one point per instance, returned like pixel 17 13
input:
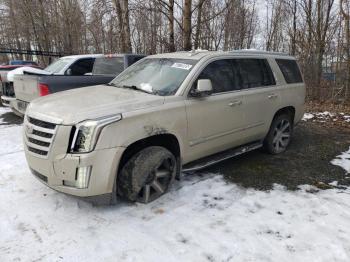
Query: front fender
pixel 136 126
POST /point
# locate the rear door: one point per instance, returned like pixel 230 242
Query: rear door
pixel 261 95
pixel 215 121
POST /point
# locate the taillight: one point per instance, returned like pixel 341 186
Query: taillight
pixel 43 89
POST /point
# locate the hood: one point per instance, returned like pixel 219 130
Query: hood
pixel 25 69
pixel 73 106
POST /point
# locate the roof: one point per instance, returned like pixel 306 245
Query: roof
pixel 199 54
pixel 82 56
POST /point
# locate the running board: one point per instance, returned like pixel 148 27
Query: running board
pixel 219 157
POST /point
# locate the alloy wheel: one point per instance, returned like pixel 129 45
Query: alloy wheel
pixel 158 181
pixel 281 136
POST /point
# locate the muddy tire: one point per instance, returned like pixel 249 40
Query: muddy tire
pixel 147 175
pixel 280 134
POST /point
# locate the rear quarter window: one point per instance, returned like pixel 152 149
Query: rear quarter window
pixel 255 73
pixel 108 66
pixel 290 71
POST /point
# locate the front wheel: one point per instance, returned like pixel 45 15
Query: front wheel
pixel 147 175
pixel 279 136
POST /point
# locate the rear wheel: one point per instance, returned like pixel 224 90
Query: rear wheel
pixel 280 133
pixel 147 175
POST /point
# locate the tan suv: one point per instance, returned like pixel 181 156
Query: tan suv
pixel 166 113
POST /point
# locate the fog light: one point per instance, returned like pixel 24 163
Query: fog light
pixel 83 177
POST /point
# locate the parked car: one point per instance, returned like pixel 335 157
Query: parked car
pixel 23 62
pixel 6 86
pixel 167 112
pixel 105 68
pixel 62 66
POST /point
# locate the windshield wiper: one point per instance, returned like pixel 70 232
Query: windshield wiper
pixel 133 87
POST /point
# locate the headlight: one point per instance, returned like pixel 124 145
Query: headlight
pixel 86 133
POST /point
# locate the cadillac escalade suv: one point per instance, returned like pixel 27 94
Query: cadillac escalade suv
pixel 164 115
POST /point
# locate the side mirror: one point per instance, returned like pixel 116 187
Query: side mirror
pixel 204 88
pixel 68 72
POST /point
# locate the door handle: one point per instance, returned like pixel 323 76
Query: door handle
pixel 235 103
pixel 272 96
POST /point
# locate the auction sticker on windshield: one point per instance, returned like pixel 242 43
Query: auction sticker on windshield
pixel 182 66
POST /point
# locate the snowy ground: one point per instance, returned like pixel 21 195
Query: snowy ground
pixel 326 116
pixel 203 218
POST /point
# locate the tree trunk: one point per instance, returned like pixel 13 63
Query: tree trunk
pixel 187 26
pixel 199 21
pixel 126 26
pixel 122 8
pixel 171 27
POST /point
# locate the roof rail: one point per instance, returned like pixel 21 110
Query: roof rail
pixel 194 52
pixel 255 51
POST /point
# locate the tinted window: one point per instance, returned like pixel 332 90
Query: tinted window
pixel 290 70
pixel 82 66
pixel 108 66
pixel 222 74
pixel 255 73
pixel 133 59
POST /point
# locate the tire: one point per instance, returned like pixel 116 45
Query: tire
pixel 147 175
pixel 279 135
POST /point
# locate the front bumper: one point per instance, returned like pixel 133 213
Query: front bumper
pixel 7 101
pixel 58 169
pixel 53 172
pixel 104 164
pixel 19 107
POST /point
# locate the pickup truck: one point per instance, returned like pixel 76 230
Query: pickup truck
pixel 164 115
pixel 105 69
pixel 61 66
pixel 6 86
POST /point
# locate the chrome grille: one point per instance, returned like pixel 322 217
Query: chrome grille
pixel 39 136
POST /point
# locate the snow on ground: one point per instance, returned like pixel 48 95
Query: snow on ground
pixel 203 218
pixel 308 116
pixel 343 161
pixel 326 116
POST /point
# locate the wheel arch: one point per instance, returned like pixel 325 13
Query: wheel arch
pixel 290 110
pixel 167 140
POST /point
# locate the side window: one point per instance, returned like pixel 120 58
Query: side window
pixel 222 75
pixel 82 66
pixel 134 59
pixel 255 73
pixel 290 70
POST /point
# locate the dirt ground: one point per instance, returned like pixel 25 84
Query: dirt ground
pixel 307 160
pixel 9 119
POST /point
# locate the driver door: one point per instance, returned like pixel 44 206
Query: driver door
pixel 215 121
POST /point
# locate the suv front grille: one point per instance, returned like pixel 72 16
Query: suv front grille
pixel 38 142
pixel 37 151
pixel 41 123
pixel 7 89
pixel 43 134
pixel 39 136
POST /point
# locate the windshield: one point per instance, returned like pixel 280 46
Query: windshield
pixel 58 65
pixel 161 76
pixel 108 66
